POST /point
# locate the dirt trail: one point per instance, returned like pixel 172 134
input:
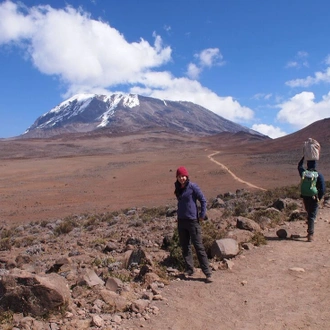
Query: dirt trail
pixel 283 285
pixel 231 173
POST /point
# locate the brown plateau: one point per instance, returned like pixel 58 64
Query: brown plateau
pixel 43 179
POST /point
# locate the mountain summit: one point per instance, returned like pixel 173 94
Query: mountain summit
pixel 125 113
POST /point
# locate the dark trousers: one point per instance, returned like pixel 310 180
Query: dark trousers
pixel 311 207
pixel 190 233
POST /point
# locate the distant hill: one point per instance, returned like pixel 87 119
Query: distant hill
pixel 127 113
pixel 288 149
pixel 319 130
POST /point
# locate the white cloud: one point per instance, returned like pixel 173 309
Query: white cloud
pixel 206 58
pixel 269 130
pixel 292 64
pixel 301 110
pixel 89 55
pixel 262 96
pixel 300 60
pixel 14 26
pixel 209 57
pixel 163 85
pixel 302 54
pixel 80 50
pixel 327 60
pixel 193 71
pixel 309 81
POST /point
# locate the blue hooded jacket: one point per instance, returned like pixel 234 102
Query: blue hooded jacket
pixel 187 201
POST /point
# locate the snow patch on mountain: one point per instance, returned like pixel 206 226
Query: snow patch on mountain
pixel 82 100
pixel 128 101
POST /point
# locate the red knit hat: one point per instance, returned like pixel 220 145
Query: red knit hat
pixel 182 171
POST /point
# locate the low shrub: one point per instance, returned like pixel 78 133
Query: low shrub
pixel 66 226
pixel 6 317
pixel 149 214
pixel 276 216
pixel 5 244
pixel 258 239
pixel 210 233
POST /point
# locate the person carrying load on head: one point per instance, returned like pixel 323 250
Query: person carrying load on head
pixel 312 185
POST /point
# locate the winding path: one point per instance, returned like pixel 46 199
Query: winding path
pixel 231 173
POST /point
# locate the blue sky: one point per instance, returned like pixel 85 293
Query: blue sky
pixel 263 64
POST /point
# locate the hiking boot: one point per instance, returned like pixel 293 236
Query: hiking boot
pixel 188 273
pixel 310 238
pixel 209 279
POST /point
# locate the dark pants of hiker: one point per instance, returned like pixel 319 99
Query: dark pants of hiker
pixel 311 207
pixel 190 233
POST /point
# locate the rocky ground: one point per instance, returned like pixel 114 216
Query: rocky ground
pixel 113 271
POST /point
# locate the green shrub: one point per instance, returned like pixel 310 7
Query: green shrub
pixel 227 213
pixel 6 317
pixel 43 223
pixel 27 241
pixel 123 275
pixel 290 208
pixel 67 225
pixel 275 216
pixel 6 233
pixel 91 220
pixel 149 214
pixel 175 259
pixel 210 233
pixel 103 262
pixel 5 244
pixel 269 196
pixel 160 270
pixel 258 239
pixel 241 208
pixel 99 242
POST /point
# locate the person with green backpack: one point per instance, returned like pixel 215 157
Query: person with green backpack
pixel 312 189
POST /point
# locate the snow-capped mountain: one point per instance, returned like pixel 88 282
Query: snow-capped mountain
pixel 128 113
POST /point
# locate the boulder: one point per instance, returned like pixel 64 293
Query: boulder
pixel 89 277
pixel 224 248
pixel 247 224
pixel 30 294
pixel 282 233
pixel 113 284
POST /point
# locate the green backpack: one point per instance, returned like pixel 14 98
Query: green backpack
pixel 308 184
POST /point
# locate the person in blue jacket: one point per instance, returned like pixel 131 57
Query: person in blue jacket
pixel 311 203
pixel 189 217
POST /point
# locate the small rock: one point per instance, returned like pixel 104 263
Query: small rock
pixel 297 269
pixel 97 321
pixel 282 233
